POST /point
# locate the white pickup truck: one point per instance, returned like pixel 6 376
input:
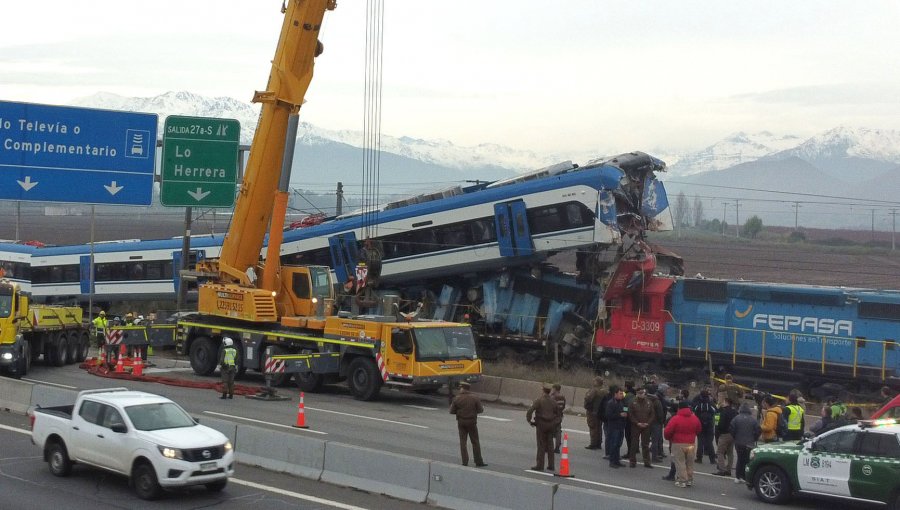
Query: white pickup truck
pixel 146 437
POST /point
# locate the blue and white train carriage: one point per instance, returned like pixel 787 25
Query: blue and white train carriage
pixel 506 223
pixel 502 224
pixel 123 270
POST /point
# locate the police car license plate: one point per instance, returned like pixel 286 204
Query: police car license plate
pixel 208 466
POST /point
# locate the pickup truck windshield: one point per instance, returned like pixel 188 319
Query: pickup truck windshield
pixel 444 343
pixel 160 416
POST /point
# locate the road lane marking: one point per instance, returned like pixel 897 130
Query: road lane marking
pixel 424 408
pixel 35 381
pixel 637 491
pixel 493 418
pixel 574 431
pixel 15 429
pixel 265 422
pixel 366 417
pixel 297 495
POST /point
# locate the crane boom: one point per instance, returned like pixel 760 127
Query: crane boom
pixel 292 70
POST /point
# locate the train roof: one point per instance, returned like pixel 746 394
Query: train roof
pixel 606 176
pixel 129 245
pixel 13 247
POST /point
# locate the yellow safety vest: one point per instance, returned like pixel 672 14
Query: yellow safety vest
pixel 795 420
pixel 100 323
pixel 230 354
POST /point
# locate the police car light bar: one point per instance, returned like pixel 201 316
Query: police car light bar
pixel 878 423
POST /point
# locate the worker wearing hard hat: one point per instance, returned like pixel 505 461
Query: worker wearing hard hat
pixel 129 319
pixel 100 324
pixel 227 364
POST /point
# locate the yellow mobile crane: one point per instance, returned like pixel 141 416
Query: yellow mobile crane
pixel 285 313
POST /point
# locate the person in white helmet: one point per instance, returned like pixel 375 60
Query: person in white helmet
pixel 228 368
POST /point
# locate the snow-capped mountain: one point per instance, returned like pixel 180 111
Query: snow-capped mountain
pixel 442 153
pixel 846 142
pixel 733 150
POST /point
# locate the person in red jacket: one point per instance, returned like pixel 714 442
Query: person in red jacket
pixel 681 432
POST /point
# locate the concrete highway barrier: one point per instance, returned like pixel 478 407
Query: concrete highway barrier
pixel 376 471
pixel 281 451
pixel 15 395
pixel 463 488
pixel 229 428
pixel 488 388
pixel 516 391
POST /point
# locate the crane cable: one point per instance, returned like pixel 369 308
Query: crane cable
pixel 372 115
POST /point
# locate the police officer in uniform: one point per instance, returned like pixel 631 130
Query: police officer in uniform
pixel 467 406
pixel 544 415
pixel 228 368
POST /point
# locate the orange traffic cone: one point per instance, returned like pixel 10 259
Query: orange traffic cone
pixel 301 414
pixel 564 459
pixel 120 365
pixel 138 369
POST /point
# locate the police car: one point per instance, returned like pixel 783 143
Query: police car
pixel 858 462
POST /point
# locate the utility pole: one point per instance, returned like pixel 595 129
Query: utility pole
pixel 873 224
pixel 893 229
pixel 338 207
pixel 796 215
pixel 724 212
pixel 737 218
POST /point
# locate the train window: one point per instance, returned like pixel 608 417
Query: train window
pixel 167 273
pixel 101 273
pixel 136 271
pixel 483 230
pixel 888 311
pixel 71 273
pixel 452 236
pixel 118 271
pixel 556 217
pixel 154 270
pixel 56 274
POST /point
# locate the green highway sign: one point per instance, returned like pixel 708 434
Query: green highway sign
pixel 199 161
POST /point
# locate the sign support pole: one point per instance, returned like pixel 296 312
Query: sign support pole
pixel 91 274
pixel 185 254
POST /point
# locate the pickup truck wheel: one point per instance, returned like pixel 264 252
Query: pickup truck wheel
pixel 217 486
pixel 772 485
pixel 58 459
pixel 203 356
pixel 145 483
pixel 365 379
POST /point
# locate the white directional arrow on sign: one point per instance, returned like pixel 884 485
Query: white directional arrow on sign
pixel 113 189
pixel 27 184
pixel 199 194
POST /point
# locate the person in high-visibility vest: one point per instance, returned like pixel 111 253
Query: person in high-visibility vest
pixel 100 324
pixel 795 418
pixel 228 368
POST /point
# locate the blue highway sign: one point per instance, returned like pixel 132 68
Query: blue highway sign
pixel 67 154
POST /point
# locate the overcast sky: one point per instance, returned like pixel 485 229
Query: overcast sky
pixel 548 76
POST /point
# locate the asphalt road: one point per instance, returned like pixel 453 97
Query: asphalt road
pixel 420 426
pixel 27 484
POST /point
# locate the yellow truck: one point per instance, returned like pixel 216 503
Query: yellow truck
pixel 28 332
pixel 283 313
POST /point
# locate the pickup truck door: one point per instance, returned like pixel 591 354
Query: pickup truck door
pixel 875 474
pixel 113 450
pixel 85 439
